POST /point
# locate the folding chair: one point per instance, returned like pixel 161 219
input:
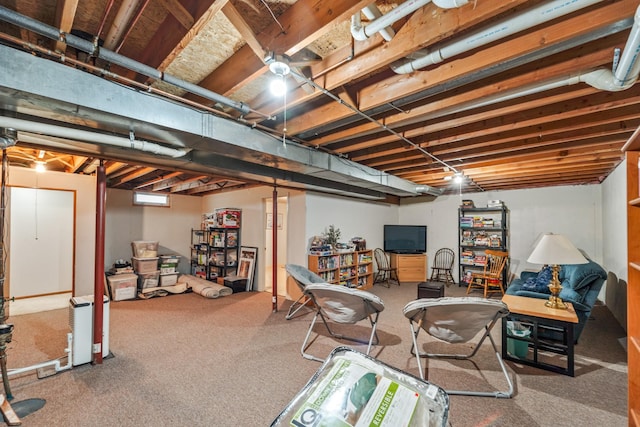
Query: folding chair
pixel 302 276
pixel 342 305
pixel 457 320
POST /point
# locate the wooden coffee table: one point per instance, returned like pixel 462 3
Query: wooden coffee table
pixel 542 321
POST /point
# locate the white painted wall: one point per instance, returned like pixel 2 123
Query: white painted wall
pixel 592 216
pixel 170 226
pixel 251 201
pixel 354 218
pixel 614 220
pixel 574 211
pixel 85 220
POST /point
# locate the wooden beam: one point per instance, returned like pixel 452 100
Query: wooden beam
pixel 65 14
pixel 182 15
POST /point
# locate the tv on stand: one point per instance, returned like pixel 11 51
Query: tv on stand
pixel 405 239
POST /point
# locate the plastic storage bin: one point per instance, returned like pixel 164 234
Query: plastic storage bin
pixel 144 248
pixel 168 279
pixel 122 286
pixel 517 348
pixel 169 264
pixel 149 280
pixel 145 265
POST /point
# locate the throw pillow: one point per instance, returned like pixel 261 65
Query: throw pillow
pixel 539 283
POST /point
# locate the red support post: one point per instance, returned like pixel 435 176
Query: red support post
pixel 274 251
pixel 98 288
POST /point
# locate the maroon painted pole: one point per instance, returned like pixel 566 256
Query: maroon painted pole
pixel 274 250
pixel 98 288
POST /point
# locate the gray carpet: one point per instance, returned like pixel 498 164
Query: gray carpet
pixel 187 360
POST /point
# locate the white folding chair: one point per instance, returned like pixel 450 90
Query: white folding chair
pixel 344 305
pixel 302 276
pixel 457 320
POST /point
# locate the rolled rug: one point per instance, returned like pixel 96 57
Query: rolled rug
pixel 204 287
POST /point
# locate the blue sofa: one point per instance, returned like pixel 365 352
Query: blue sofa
pixel 581 284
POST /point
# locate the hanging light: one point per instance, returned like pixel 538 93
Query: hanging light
pixel 280 68
pixel 40 166
pixel 278 86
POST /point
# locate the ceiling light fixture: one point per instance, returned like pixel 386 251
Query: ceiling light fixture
pixel 40 166
pixel 280 68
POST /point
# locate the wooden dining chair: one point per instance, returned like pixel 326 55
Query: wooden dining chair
pixel 442 266
pixel 384 272
pixel 490 279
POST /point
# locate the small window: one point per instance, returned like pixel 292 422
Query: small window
pixel 151 199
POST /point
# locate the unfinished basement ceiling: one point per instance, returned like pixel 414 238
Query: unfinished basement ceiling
pixel 521 111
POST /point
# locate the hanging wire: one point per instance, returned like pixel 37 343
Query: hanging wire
pixel 284 113
pixel 273 15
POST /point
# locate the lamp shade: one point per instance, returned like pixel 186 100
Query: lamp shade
pixel 556 249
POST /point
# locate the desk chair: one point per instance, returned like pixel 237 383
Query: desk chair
pixel 384 273
pixel 340 304
pixel 453 321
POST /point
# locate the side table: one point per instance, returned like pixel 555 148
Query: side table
pixel 541 320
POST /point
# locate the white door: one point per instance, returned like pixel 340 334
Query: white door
pixel 280 222
pixel 41 241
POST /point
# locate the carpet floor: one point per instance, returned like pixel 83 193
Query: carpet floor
pixel 232 361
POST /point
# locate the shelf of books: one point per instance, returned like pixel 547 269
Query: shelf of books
pixel 480 229
pixel 352 269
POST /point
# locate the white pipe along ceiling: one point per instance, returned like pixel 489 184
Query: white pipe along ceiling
pixel 528 19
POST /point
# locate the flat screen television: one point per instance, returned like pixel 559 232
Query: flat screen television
pixel 405 239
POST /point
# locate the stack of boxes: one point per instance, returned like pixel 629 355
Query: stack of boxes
pixel 145 263
pixel 169 269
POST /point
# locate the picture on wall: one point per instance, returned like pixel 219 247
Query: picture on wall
pixel 247 264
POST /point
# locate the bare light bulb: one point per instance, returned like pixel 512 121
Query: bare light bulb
pixel 40 167
pixel 278 86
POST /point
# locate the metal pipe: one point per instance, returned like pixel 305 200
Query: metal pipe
pixel 22 21
pixel 98 285
pixel 93 137
pixel 133 24
pixel 119 25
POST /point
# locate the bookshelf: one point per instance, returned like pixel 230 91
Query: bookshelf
pixel 480 229
pixel 214 252
pixel 632 153
pixel 352 269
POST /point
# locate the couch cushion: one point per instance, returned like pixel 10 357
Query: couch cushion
pixel 540 282
pixel 578 276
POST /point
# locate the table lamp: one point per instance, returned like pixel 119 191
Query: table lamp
pixel 554 250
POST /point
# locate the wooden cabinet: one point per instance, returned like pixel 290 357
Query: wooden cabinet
pixel 480 229
pixel 410 267
pixel 633 286
pixel 352 269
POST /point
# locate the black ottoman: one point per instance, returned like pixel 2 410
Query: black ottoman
pixel 430 290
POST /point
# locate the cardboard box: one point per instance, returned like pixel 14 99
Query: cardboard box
pixel 145 265
pixel 123 286
pixel 228 217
